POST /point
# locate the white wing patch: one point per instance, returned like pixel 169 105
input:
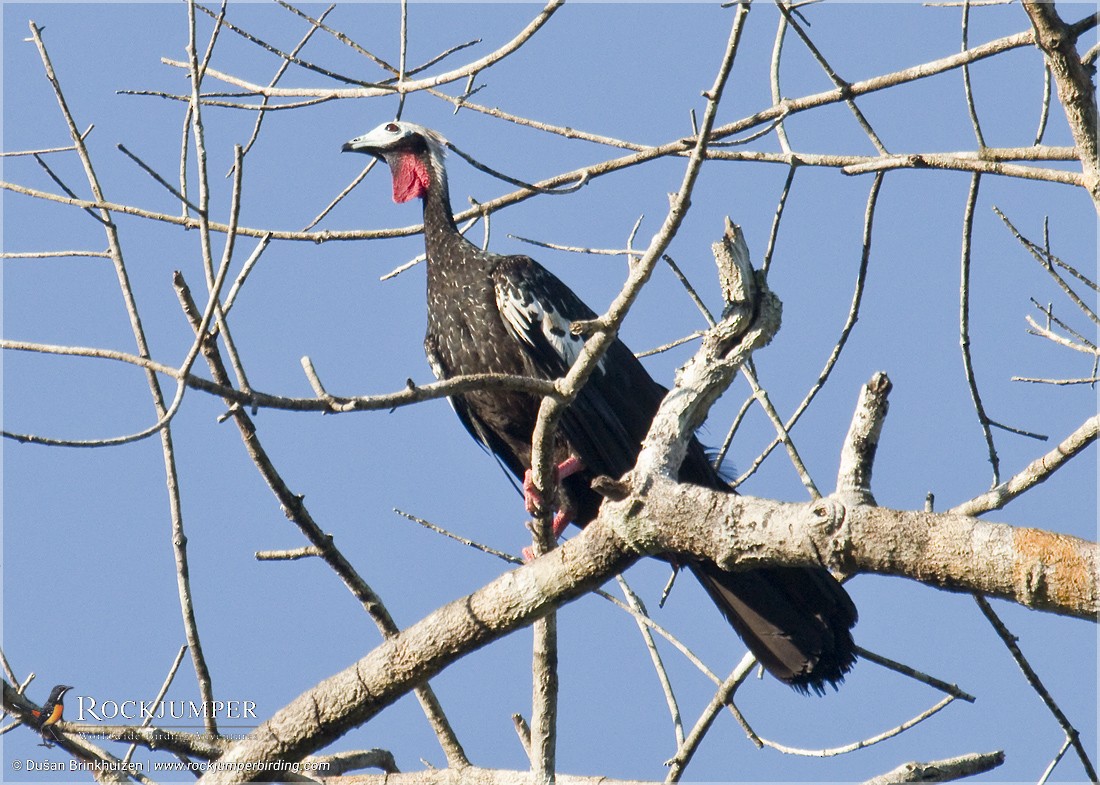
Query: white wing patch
pixel 523 318
pixel 436 366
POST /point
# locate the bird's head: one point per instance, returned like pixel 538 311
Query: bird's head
pixel 57 693
pixel 414 153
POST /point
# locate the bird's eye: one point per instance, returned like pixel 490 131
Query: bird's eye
pixel 392 128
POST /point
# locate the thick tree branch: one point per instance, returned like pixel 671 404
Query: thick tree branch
pixel 857 456
pixel 1038 569
pixel 941 770
pixel 1076 90
pixel 1035 568
pixel 349 698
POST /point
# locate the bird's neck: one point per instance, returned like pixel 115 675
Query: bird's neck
pixel 442 239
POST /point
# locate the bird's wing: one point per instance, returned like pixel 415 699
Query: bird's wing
pixel 483 435
pixel 607 422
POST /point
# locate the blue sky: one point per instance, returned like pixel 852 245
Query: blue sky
pixel 89 587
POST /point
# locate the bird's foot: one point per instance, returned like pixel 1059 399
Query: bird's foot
pixel 532 499
pixel 562 518
pixel 533 502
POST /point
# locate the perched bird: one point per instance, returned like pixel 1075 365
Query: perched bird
pixel 507 314
pixel 50 714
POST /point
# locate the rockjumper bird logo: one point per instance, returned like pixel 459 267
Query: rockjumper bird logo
pixel 49 715
pixel 90 710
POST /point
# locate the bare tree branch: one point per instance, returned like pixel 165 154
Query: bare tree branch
pixel 1011 643
pixel 1034 473
pixel 293 505
pixel 941 770
pixel 179 539
pixel 1076 89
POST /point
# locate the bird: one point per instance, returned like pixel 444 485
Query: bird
pixel 489 313
pixel 50 714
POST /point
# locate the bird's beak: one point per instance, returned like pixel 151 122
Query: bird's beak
pixel 363 144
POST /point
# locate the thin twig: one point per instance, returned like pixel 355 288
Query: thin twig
pixel 574 248
pixel 773 234
pixel 1059 382
pixel 338 36
pixel 1043 257
pixel 777 93
pixel 842 339
pixel 1032 678
pixel 145 723
pixel 694 295
pixel 507 557
pixel 1034 473
pixel 1058 757
pixel 45 150
pixel 964 328
pixel 404 46
pixel 1044 111
pixel 635 602
pixel 783 434
pixel 671 344
pixel 283 66
pixel 294 506
pixel 829 752
pixel 8 672
pixel 246 269
pixel 153 173
pixel 967 88
pixel 841 84
pixel 164 414
pixel 913 673
pixel 293 554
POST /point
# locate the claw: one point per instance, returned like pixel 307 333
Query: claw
pixel 532 500
pixel 562 518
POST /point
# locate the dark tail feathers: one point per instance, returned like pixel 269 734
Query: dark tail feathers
pixel 796 620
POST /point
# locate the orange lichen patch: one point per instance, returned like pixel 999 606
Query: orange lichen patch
pixel 1054 569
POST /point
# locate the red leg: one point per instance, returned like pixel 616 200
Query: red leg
pixel 569 466
pixel 531 499
pixel 562 518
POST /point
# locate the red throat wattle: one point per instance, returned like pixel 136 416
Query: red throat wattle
pixel 410 177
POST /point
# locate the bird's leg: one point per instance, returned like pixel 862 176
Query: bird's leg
pixel 531 498
pixel 46 742
pixel 562 518
pixel 533 501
